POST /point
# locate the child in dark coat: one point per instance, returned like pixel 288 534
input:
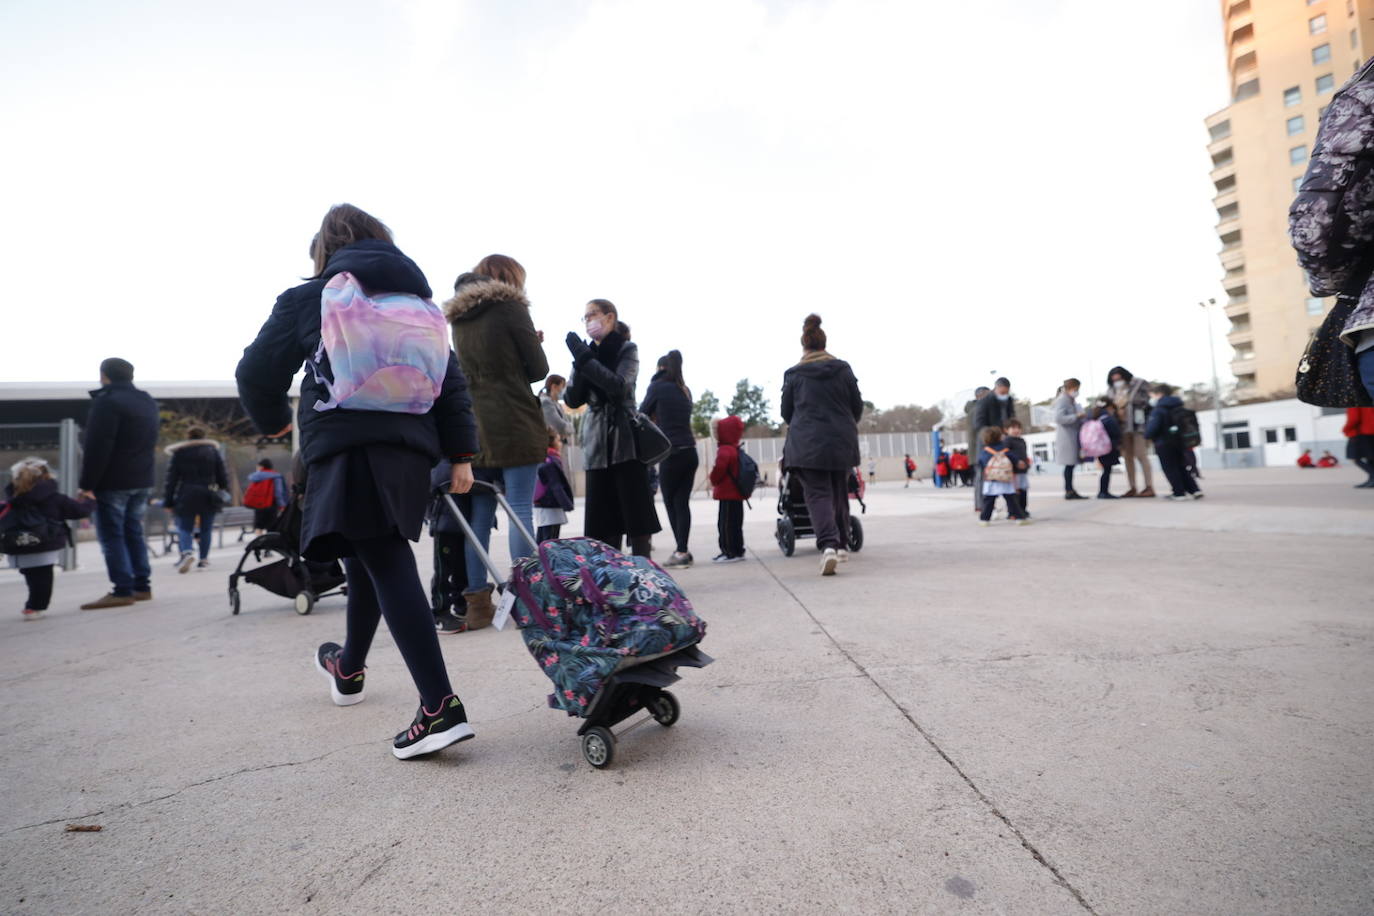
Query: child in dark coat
pixel 725 489
pixel 1103 409
pixel 1020 461
pixel 553 498
pixel 999 477
pixel 37 513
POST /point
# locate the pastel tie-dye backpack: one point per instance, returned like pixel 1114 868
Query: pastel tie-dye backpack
pixel 387 351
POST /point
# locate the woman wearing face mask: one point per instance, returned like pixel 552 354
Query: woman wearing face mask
pixel 993 409
pixel 619 502
pixel 1131 397
pixel 1067 418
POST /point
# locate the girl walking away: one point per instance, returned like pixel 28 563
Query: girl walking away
pixel 1359 430
pixel 1104 411
pixel 821 405
pixel 501 355
pixel 33 528
pixel 999 477
pixel 553 498
pixel 195 479
pixel 1067 419
pixel 368 452
pixel 725 488
pixel 1162 429
pixel 266 495
pixel 668 402
pixel 619 503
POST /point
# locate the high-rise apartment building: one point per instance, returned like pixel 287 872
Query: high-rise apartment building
pixel 1286 59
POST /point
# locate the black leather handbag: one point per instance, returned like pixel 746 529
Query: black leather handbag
pixel 651 445
pixel 1328 373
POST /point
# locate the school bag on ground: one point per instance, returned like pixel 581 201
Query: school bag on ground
pixel 1093 439
pixel 1183 424
pixel 261 494
pixel 387 351
pixel 587 611
pixel 999 468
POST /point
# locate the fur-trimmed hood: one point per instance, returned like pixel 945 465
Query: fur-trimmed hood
pixel 187 443
pixel 473 296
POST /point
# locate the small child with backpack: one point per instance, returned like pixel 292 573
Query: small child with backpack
pixel 1173 429
pixel 33 528
pixel 1103 412
pixel 910 466
pixel 1020 460
pixel 265 495
pixel 725 488
pixel 553 498
pixel 999 477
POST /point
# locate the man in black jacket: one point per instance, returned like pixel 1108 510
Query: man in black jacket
pixel 117 468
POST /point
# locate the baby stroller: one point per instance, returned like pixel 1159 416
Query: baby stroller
pixel 610 631
pixel 794 522
pixel 292 576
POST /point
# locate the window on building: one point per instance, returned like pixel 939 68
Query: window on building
pixel 1325 84
pixel 1220 131
pixel 1226 184
pixel 1228 212
pixel 1317 24
pixel 1290 434
pixel 1316 306
pixel 1321 53
pixel 1297 155
pixel 1235 435
pixel 1291 97
pixel 1296 125
pixel 1246 90
pixel 1271 437
pixel 1297 184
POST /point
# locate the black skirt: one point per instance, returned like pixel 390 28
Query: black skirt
pixel 1360 448
pixel 363 493
pixel 619 503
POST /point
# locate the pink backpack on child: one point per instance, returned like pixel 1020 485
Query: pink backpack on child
pixel 1093 440
pixel 387 351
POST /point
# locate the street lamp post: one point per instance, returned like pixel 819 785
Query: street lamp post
pixel 1216 383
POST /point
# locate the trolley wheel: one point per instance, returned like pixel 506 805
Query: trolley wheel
pixel 234 601
pixel 665 708
pixel 856 535
pixel 598 747
pixel 787 536
pixel 305 602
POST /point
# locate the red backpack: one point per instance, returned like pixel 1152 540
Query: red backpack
pixel 261 494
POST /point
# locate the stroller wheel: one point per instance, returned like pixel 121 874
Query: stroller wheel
pixel 598 747
pixel 665 709
pixel 787 536
pixel 856 535
pixel 305 602
pixel 234 601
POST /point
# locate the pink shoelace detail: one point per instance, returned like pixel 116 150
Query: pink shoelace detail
pixel 331 665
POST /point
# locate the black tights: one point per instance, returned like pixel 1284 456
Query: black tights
pixel 39 580
pixel 1068 478
pixel 383 582
pixel 676 476
pixel 548 533
pixel 1014 509
pixel 1367 466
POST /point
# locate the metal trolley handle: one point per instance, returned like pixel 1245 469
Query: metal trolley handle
pixel 472 536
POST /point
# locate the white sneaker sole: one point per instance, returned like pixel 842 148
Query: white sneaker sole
pixel 828 565
pixel 184 566
pixel 340 699
pixel 434 743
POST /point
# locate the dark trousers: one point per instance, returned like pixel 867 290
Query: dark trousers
pixel 383 582
pixel 1104 484
pixel 730 527
pixel 450 573
pixel 1366 364
pixel 677 475
pixel 548 533
pixel 1171 460
pixel 618 504
pixel 39 581
pixel 827 502
pixel 119 529
pixel 1068 478
pixel 1014 509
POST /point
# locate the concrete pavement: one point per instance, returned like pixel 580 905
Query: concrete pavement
pixel 1129 707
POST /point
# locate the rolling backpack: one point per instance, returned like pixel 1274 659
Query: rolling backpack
pixel 387 351
pixel 1183 424
pixel 999 469
pixel 261 494
pixel 1093 439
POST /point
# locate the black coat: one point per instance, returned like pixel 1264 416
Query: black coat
pixel 990 411
pixel 195 467
pixel 606 384
pixel 671 409
pixel 44 500
pixel 821 405
pixel 120 439
pixel 292 334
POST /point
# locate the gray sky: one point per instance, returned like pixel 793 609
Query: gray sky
pixel 1011 185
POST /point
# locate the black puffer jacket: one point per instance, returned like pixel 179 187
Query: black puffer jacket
pixel 292 334
pixel 44 500
pixel 821 405
pixel 195 467
pixel 671 409
pixel 120 439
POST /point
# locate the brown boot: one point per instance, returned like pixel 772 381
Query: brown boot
pixel 110 600
pixel 480 609
pixel 143 596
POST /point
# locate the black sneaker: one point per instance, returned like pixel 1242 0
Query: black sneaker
pixel 346 689
pixel 433 731
pixel 449 622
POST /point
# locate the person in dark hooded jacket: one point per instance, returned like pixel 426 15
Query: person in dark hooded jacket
pixel 821 405
pixel 32 495
pixel 195 478
pixel 367 484
pixel 1161 430
pixel 725 489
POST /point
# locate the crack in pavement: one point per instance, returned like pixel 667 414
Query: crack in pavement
pixel 787 680
pixel 982 796
pixel 186 788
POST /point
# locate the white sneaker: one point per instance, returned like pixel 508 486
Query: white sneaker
pixel 983 524
pixel 187 560
pixel 843 555
pixel 829 560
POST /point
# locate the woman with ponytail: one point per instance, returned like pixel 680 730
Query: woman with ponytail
pixel 821 405
pixel 669 403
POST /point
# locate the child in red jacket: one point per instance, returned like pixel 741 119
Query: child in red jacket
pixel 1359 429
pixel 725 488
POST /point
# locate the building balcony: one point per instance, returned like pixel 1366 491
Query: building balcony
pixel 1223 171
pixel 1228 225
pixel 1232 254
pixel 1243 366
pixel 1234 310
pixel 1227 196
pixel 1242 335
pixel 1219 144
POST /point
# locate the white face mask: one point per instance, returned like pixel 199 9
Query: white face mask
pixel 1003 397
pixel 1072 394
pixel 1154 402
pixel 594 329
pixel 1119 383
